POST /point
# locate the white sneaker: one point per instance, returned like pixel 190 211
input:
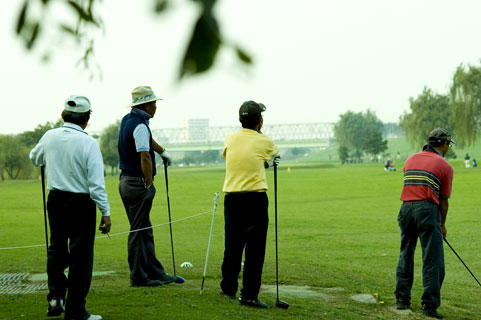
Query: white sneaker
pixel 95 317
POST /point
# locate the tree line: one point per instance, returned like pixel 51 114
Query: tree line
pixel 458 110
pixel 15 149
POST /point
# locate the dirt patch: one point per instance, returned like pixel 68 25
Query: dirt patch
pixel 364 298
pixel 295 291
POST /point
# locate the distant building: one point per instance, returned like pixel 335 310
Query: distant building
pixel 196 130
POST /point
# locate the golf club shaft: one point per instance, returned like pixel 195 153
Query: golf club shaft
pixel 275 215
pixel 216 195
pixel 168 208
pixel 461 260
pixel 42 173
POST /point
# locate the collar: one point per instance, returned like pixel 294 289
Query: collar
pixel 430 148
pixel 141 113
pixel 247 129
pixel 74 127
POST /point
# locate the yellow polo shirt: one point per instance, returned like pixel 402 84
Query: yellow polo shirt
pixel 245 152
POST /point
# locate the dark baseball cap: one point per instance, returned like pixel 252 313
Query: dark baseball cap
pixel 440 135
pixel 251 110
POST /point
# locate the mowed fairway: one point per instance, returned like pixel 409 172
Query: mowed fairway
pixel 338 237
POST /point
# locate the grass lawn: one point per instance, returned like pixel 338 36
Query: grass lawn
pixel 338 237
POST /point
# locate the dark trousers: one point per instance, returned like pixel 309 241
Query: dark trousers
pixel 423 220
pixel 71 218
pixel 137 201
pixel 246 222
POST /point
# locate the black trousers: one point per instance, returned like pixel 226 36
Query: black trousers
pixel 137 201
pixel 421 220
pixel 246 221
pixel 71 218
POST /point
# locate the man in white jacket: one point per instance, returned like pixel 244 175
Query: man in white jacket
pixel 75 177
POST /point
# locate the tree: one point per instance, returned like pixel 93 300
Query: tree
pixel 343 152
pixel 374 143
pixel 109 145
pixel 211 156
pixel 428 111
pixel 200 53
pixel 30 138
pixel 466 104
pixel 354 128
pixel 13 157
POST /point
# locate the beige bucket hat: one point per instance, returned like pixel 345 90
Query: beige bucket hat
pixel 143 94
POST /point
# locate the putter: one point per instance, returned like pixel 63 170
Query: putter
pixel 42 173
pixel 177 278
pixel 216 195
pixel 461 260
pixel 279 303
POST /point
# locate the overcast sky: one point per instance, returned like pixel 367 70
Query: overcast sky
pixel 313 60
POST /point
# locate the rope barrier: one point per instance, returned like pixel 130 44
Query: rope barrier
pixel 120 233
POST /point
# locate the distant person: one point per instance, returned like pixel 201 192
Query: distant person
pixel 387 165
pixel 137 164
pixel 75 178
pixel 475 164
pixel 466 160
pixel 246 204
pixel 427 187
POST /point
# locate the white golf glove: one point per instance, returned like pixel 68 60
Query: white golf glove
pixel 166 157
pixel 276 160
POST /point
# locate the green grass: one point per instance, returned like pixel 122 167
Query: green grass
pixel 337 229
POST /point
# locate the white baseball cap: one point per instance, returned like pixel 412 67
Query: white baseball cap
pixel 78 104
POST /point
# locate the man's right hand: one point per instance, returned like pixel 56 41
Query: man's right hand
pixel 276 160
pixel 444 231
pixel 166 157
pixel 105 224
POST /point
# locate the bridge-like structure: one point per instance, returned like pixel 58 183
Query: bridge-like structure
pixel 206 137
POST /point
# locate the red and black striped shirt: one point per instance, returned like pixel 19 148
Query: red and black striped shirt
pixel 427 176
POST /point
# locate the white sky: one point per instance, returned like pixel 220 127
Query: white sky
pixel 313 60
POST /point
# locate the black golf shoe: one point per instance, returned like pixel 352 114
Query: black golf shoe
pixel 403 304
pixel 55 307
pixel 256 303
pixel 166 279
pixel 430 312
pixel 146 283
pixel 230 296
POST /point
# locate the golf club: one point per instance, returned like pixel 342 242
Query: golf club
pixel 461 260
pixel 279 303
pixel 178 279
pixel 216 195
pixel 42 173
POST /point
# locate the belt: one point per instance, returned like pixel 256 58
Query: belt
pixel 416 201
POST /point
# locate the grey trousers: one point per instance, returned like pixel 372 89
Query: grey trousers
pixel 137 201
pixel 421 220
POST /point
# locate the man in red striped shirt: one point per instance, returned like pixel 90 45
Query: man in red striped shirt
pixel 426 190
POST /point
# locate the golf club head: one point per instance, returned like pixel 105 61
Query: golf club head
pixel 282 304
pixel 179 279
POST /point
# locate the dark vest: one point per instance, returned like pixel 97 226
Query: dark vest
pixel 129 157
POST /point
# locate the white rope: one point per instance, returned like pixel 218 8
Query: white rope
pixel 116 234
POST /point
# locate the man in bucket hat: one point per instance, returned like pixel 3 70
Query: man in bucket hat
pixel 74 170
pixel 137 163
pixel 427 186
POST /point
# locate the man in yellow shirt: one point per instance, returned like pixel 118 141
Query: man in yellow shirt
pixel 246 204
